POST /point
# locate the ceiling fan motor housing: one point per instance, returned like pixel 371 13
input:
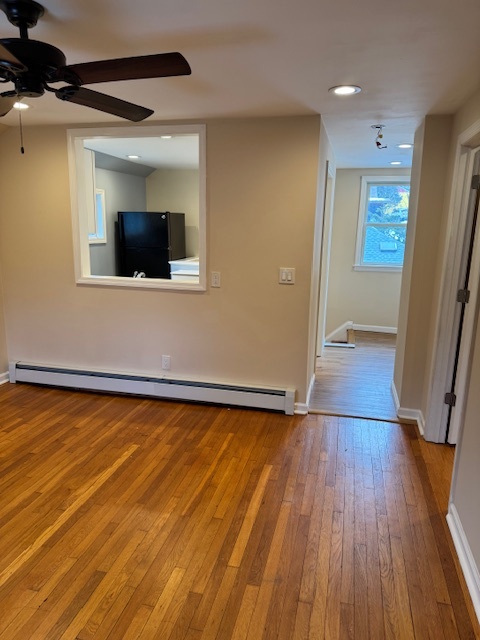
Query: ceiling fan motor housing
pixel 41 59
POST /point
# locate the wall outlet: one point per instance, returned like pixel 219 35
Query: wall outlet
pixel 166 363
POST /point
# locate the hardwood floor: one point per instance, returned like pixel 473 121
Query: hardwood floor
pixel 357 382
pixel 126 518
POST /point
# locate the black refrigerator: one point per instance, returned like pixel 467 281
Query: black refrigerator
pixel 146 241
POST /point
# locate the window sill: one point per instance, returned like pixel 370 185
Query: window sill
pixel 377 267
pixel 143 283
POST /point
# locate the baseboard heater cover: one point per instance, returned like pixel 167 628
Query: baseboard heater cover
pixel 215 393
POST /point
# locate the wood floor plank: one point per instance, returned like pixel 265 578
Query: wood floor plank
pixel 135 518
pixel 249 519
pixel 245 614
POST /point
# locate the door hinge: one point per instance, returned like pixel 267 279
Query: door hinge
pixel 463 296
pixel 450 399
pixel 475 182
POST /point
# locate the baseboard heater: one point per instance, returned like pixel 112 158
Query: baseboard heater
pixel 214 393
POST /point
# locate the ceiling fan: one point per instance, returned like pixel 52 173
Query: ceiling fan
pixel 33 65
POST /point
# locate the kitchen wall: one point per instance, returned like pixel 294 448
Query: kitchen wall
pixel 123 192
pixel 261 208
pixel 364 297
pixel 177 190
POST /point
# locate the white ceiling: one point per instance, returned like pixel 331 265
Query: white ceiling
pixel 178 152
pixel 277 58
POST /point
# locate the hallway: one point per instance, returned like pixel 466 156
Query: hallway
pixel 356 382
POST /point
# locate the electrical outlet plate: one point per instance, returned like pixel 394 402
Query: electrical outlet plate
pixel 165 363
pixel 286 275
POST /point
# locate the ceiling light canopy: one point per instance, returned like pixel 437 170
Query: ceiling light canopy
pixel 345 89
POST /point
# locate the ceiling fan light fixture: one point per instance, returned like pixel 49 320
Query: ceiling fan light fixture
pixel 21 106
pixel 345 89
pixel 405 145
pixel 32 66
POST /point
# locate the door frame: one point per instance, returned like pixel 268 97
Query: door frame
pixel 445 327
pixel 325 257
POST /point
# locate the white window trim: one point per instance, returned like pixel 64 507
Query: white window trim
pixel 361 226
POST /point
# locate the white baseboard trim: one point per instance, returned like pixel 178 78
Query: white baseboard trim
pixel 407 415
pixel 374 328
pixel 4 377
pixel 309 390
pixel 396 401
pixel 301 408
pixel 465 556
pixel 340 333
pixel 342 345
pixel 412 415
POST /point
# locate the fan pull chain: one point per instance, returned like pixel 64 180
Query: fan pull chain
pixel 22 150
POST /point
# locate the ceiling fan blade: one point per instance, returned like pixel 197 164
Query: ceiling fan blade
pixel 6 104
pixel 102 102
pixel 9 61
pixel 154 66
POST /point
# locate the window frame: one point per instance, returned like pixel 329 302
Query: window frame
pixel 100 220
pixel 80 205
pixel 362 224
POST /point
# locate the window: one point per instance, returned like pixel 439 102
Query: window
pixel 382 223
pixel 97 229
pixel 138 169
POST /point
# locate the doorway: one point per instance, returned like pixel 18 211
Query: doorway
pixel 361 297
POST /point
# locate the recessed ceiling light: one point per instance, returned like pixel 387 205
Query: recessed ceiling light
pixel 165 137
pixel 405 145
pixel 345 89
pixel 21 106
pixel 133 157
pixel 396 162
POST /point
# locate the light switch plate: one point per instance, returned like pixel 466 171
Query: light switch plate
pixel 286 275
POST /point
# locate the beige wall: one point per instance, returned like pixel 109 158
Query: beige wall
pixel 3 340
pixel 423 259
pixel 261 206
pixel 467 471
pixel 177 190
pixel 364 297
pixel 466 478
